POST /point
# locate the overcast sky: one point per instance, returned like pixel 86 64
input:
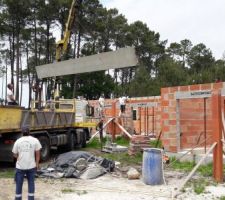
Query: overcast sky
pixel 201 21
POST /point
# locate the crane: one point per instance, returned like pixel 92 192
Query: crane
pixel 62 45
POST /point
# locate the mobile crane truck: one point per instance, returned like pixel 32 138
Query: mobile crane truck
pixel 63 123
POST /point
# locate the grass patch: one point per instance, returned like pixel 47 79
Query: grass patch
pixel 95 143
pixel 79 192
pixel 153 144
pixel 122 141
pixel 67 190
pixel 199 188
pixel 183 166
pixel 222 198
pixel 199 185
pixel 124 158
pixel 204 170
pixel 7 173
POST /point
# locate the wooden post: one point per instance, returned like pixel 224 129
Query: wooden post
pixel 113 122
pixel 139 110
pixel 217 136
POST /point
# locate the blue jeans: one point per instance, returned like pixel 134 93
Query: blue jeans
pixel 19 176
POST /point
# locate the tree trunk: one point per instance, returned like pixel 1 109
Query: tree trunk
pixel 17 66
pixel 21 82
pixel 47 42
pixel 12 54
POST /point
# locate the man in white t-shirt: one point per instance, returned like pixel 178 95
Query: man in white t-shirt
pixel 10 96
pixel 101 102
pixel 26 150
pixel 122 102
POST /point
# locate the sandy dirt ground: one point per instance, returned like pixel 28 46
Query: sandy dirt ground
pixel 109 187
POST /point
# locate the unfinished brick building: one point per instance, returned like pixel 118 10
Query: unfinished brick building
pixel 183 114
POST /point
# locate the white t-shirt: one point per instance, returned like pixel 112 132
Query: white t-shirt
pixel 9 93
pixel 122 100
pixel 25 147
pixel 101 101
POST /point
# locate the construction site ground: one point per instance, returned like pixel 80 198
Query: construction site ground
pixel 115 186
pixel 111 186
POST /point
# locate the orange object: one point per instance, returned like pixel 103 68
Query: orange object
pixel 217 136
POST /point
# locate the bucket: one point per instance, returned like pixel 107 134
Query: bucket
pixel 152 169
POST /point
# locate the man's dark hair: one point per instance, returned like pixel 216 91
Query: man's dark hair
pixel 25 131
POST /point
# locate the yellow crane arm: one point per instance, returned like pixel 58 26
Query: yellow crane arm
pixel 61 45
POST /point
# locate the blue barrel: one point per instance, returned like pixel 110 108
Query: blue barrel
pixel 152 173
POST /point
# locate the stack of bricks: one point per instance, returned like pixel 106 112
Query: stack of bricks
pixel 138 143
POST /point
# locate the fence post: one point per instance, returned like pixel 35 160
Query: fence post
pixel 113 123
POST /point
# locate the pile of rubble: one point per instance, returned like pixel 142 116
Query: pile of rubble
pixel 77 164
pixel 138 143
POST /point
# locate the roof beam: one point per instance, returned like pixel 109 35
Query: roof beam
pixel 124 57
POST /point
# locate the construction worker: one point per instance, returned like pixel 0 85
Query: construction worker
pixel 101 104
pixel 99 127
pixel 10 96
pixel 122 102
pixel 26 150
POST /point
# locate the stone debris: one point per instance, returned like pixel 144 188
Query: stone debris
pixel 133 174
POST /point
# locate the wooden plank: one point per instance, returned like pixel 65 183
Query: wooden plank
pixel 195 168
pixel 123 129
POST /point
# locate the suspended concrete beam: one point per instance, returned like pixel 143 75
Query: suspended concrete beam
pixel 124 57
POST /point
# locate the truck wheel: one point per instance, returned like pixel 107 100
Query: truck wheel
pixel 45 150
pixel 71 140
pixel 83 140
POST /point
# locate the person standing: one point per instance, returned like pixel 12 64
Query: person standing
pixel 26 150
pixel 101 102
pixel 10 96
pixel 122 102
pixel 100 127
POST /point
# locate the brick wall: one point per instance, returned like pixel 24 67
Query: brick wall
pixel 192 124
pixel 180 130
pixel 148 119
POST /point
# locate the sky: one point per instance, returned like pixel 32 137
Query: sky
pixel 200 21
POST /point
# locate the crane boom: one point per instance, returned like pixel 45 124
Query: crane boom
pixel 61 45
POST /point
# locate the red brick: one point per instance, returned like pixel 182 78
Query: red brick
pixel 173 149
pixel 172 122
pixel 172 109
pixel 171 97
pixel 195 128
pixel 165 142
pixel 184 88
pixel 173 103
pixel 173 89
pixel 165 129
pixel 165 116
pixel 165 103
pixel 217 85
pixel 173 142
pixel 194 87
pixel 206 86
pixel 173 128
pixel 164 90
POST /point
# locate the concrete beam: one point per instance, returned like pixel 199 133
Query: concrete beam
pixel 124 57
